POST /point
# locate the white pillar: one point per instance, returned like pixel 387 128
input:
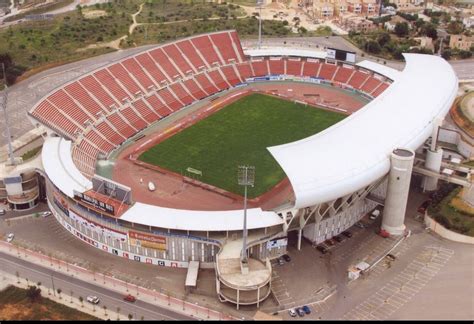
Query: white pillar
pixel 433 163
pixel 397 191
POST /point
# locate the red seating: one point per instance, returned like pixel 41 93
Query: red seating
pixel 109 133
pixel 99 141
pixel 76 91
pixel 358 79
pixel 50 116
pixel 370 85
pixel 260 68
pixel 125 79
pixel 220 83
pixel 164 62
pixel 158 106
pixel 230 75
pixel 178 59
pixel 135 120
pixel 188 49
pixel 223 42
pixel 327 71
pixel 83 162
pixel 146 113
pixel 245 70
pixel 88 149
pixel 150 66
pixel 108 81
pixel 169 99
pixel 277 67
pixel 380 89
pixel 96 89
pixel 343 74
pixel 204 45
pixel 181 93
pixel 121 125
pixel 236 41
pixel 293 67
pixel 194 89
pixel 64 103
pixel 311 68
pixel 204 82
pixel 134 68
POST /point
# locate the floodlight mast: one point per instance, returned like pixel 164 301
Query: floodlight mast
pixel 4 106
pixel 246 177
pixel 259 4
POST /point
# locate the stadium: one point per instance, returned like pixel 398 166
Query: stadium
pixel 142 155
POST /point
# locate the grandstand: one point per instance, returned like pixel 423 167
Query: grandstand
pixel 98 115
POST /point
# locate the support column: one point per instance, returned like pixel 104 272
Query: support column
pixel 433 162
pixel 397 191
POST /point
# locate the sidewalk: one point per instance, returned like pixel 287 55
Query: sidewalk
pixel 72 302
pixel 147 295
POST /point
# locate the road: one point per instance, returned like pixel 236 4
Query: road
pixel 111 299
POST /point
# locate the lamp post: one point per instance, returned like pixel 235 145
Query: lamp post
pixel 259 4
pixel 246 177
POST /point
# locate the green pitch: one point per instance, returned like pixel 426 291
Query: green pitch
pixel 237 135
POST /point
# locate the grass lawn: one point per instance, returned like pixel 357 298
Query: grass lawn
pixel 239 134
pixel 15 305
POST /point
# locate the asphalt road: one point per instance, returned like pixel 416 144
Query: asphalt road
pixel 111 299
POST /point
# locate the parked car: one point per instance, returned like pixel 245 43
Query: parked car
pixel 45 214
pixel 300 312
pixel 129 298
pixel 338 238
pixel 306 309
pixel 347 234
pixel 280 261
pixel 3 211
pixel 329 242
pixel 374 214
pixel 93 299
pixel 423 206
pixel 292 312
pixel 10 237
pixel 322 249
pixel 286 257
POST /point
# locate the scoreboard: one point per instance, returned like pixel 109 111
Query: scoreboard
pixel 341 55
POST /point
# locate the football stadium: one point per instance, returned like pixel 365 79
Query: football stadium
pixel 183 154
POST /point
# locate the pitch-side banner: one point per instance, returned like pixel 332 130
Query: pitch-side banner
pixel 147 240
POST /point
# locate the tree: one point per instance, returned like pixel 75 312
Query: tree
pixel 105 310
pixel 81 300
pixel 130 316
pixel 465 54
pixel 455 27
pixel 59 291
pixel 118 313
pixel 430 31
pixel 446 54
pixel 401 29
pixel 33 293
pixel 373 47
pixel 383 38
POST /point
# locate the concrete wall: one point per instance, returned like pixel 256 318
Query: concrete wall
pixel 444 232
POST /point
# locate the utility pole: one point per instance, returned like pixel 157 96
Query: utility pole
pixel 52 282
pixel 246 177
pixel 4 106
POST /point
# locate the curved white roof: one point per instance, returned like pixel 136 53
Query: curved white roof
pixel 380 69
pixel 197 220
pixel 60 168
pixel 355 152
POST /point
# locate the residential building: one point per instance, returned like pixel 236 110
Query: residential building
pixel 461 42
pixel 390 25
pixel 352 22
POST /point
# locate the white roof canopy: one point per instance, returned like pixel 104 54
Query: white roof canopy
pixel 355 152
pixel 58 165
pixel 390 73
pixel 196 220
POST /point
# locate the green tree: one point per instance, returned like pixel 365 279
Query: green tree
pixel 401 29
pixel 383 38
pixel 373 47
pixel 446 54
pixel 430 31
pixel 465 54
pixel 455 27
pixel 33 293
pixel 130 316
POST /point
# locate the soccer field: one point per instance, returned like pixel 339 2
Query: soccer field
pixel 239 135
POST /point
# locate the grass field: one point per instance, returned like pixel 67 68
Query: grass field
pixel 15 305
pixel 239 134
